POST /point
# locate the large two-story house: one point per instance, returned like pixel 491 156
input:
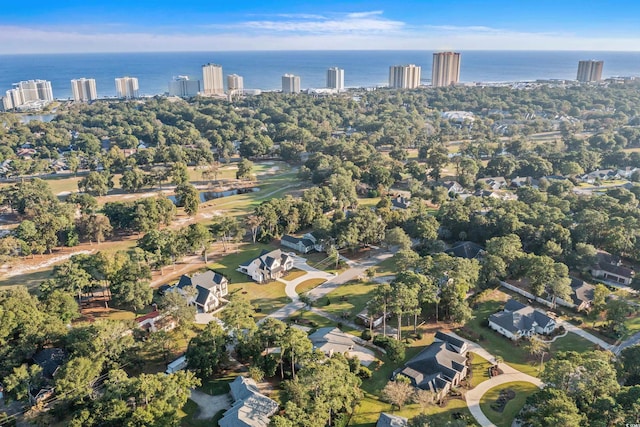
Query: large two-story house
pixel 521 321
pixel 268 266
pixel 439 367
pixel 210 287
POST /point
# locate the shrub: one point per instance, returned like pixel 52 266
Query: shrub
pixel 366 335
pixel 395 349
pixel 364 373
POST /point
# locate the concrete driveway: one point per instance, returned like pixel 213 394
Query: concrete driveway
pixel 209 405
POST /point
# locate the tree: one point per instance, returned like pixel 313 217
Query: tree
pixel 96 183
pixel 424 398
pixel 226 229
pixel 187 196
pixel 253 222
pixel 600 295
pixel 404 298
pixel 94 227
pixel 537 347
pixel 295 345
pixel 245 169
pixel 77 378
pixel 238 314
pixel 396 237
pixel 398 391
pixel 133 293
pixel 550 407
pixel 23 379
pixel 207 351
pixel 179 173
pixel 133 180
pixel 198 237
pixel 629 362
pixel 617 312
pixel 62 304
pixel 256 374
pixel 177 306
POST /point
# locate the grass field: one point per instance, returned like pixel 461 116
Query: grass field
pixel 505 418
pixel 188 414
pixel 349 298
pixel 293 274
pixel 307 285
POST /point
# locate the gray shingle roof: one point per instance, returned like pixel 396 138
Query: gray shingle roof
pixel 331 339
pixel 388 420
pixel 251 408
pixel 468 250
pixel 519 317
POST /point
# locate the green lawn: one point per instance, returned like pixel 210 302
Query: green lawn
pixel 349 298
pixel 31 280
pixel 293 274
pixel 505 418
pixel 633 327
pixel 188 414
pixel 387 267
pixel 479 370
pixel 307 285
pixel 218 385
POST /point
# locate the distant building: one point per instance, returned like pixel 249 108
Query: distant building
pixel 590 71
pixel 28 94
pixel 290 83
pixel 250 408
pixel 335 78
pixel 517 321
pixel 446 69
pixel 212 83
pixel 183 87
pixel 127 87
pixel 400 202
pixel 404 76
pixel 468 250
pixel 235 84
pixel 582 294
pixel 84 89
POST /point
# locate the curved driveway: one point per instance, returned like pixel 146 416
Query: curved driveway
pixel 510 374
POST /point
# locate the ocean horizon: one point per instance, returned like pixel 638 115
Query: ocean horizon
pixel 263 69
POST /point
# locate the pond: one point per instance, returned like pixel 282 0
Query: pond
pixel 205 196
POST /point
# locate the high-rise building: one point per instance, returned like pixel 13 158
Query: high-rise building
pixel 84 89
pixel 335 78
pixel 404 76
pixel 446 69
pixel 127 87
pixel 235 84
pixel 28 94
pixel 290 83
pixel 590 70
pixel 212 83
pixel 183 87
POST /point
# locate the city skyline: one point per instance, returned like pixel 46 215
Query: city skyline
pixel 76 26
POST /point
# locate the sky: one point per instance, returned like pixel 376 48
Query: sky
pixel 66 26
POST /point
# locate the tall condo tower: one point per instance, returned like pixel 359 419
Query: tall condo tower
pixel 235 84
pixel 27 94
pixel 335 78
pixel 84 89
pixel 183 87
pixel 290 83
pixel 590 70
pixel 446 69
pixel 127 87
pixel 212 79
pixel 404 76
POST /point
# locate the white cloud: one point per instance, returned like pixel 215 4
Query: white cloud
pixel 348 31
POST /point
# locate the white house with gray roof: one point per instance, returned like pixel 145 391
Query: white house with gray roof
pixel 210 287
pixel 250 408
pixel 304 244
pixel 332 340
pixel 521 321
pixel 388 420
pixel 268 266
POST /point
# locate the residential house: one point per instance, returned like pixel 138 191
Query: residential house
pixel 156 321
pixel 453 187
pixel 468 250
pixel 388 420
pixel 304 244
pixel 610 269
pixel 250 408
pixel 582 294
pixel 400 202
pixel 267 266
pixel 517 320
pixel 210 287
pixel 502 195
pixel 439 367
pixel 331 340
pixel 600 175
pixel 49 360
pixel 626 172
pixel 524 181
pixel 493 183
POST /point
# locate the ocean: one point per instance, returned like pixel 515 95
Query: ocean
pixel 263 70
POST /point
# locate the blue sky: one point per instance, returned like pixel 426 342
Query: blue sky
pixel 160 25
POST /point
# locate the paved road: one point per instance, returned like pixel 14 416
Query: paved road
pixel 635 339
pixel 510 374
